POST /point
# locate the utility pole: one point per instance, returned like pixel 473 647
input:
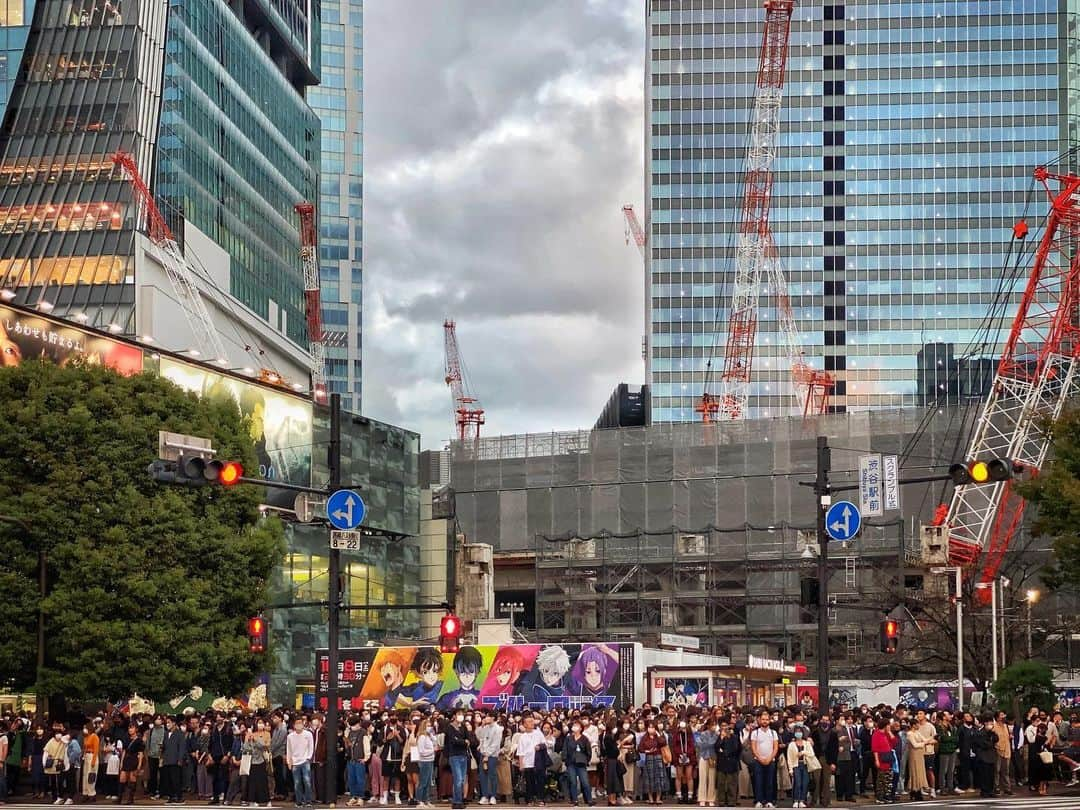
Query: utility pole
pixel 334 608
pixel 823 495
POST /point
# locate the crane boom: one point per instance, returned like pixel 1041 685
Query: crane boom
pixel 1036 375
pixel 180 274
pixel 468 415
pixel 309 259
pixel 634 229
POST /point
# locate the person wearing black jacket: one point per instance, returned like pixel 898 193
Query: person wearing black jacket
pixel 826 746
pixel 965 763
pixel 728 762
pixel 983 743
pixel 577 751
pixel 173 754
pixel 221 745
pixel 458 750
pixel 867 760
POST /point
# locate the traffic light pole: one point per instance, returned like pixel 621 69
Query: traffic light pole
pixel 334 610
pixel 823 495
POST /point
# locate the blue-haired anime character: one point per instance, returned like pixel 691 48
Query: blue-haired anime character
pixel 594 670
pixel 467 665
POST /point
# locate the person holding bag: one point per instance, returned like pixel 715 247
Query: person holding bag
pixel 799 752
pixel 255 758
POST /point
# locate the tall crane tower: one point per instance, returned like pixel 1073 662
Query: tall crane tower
pixel 208 341
pixel 468 415
pixel 1037 374
pixel 309 259
pixel 756 258
pixel 635 231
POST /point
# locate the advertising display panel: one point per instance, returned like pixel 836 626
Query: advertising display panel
pixel 510 676
pixel 26 337
pixel 280 423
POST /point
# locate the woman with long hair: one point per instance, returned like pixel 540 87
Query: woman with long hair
pixel 256 745
pixel 425 759
pixel 655 771
pixel 1038 738
pixel 411 761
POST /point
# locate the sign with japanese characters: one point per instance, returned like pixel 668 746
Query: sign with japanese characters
pixel 891 481
pixel 26 337
pixel 870 490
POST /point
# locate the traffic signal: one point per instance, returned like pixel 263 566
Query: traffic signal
pixel 890 635
pixel 196 471
pixel 450 633
pixel 258 634
pixel 979 471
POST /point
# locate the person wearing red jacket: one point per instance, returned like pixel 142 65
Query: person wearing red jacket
pixel 881 746
pixel 683 757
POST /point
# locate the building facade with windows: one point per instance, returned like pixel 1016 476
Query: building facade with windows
pixel 908 138
pixel 210 99
pixel 339 102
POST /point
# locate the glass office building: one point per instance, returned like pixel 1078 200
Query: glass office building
pixel 339 102
pixel 207 95
pixel 909 134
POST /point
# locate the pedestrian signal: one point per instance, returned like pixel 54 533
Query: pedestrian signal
pixel 450 633
pixel 258 635
pixel 890 636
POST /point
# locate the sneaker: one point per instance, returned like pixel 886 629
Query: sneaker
pixel 958 790
pixel 70 801
pixel 493 802
pixel 58 801
pixel 483 800
pixel 758 804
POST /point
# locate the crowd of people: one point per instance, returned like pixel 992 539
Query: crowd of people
pixel 709 756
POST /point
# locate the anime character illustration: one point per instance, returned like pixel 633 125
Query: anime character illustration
pixel 504 674
pixel 548 678
pixel 467 666
pixel 392 672
pixel 594 670
pixel 427 665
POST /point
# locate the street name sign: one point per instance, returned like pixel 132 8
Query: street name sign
pixel 870 502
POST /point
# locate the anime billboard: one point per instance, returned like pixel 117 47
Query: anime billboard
pixel 511 677
pixel 28 337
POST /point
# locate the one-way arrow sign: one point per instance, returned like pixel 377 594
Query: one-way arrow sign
pixel 843 521
pixel 345 510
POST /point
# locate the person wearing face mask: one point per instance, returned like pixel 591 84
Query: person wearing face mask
pixel 91 747
pixel 577 751
pixel 628 752
pixel 279 736
pixel 847 756
pixel 490 736
pixel 154 740
pixel 256 747
pixel 173 753
pixel 826 745
pixel 705 744
pixel 55 749
pixel 683 757
pixel 457 750
pixel 799 753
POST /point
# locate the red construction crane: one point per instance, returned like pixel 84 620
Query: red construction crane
pixel 468 415
pixel 309 259
pixel 208 341
pixel 634 229
pixel 1037 374
pixel 756 259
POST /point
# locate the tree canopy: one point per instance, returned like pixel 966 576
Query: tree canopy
pixel 148 586
pixel 1055 493
pixel 1024 684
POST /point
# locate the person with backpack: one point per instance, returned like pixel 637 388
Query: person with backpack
pixel 358 750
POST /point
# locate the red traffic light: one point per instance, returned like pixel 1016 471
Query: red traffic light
pixel 891 628
pixel 890 636
pixel 257 634
pixel 230 473
pixel 450 633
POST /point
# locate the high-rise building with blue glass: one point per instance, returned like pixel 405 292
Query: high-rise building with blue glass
pixel 908 138
pixel 339 102
pixel 209 97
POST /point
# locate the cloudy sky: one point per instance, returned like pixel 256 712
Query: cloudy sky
pixel 501 139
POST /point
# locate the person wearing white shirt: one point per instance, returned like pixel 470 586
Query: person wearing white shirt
pixel 299 749
pixel 765 746
pixel 529 742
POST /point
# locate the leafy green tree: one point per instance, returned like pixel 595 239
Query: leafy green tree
pixel 1055 493
pixel 148 586
pixel 1024 684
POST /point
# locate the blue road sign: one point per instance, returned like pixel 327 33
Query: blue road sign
pixel 843 521
pixel 345 510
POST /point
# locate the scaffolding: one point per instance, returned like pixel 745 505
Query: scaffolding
pixel 738 589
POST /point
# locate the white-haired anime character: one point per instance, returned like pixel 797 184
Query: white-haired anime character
pixel 549 676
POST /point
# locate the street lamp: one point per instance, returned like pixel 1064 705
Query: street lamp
pixel 1032 598
pixel 957 572
pixel 511 608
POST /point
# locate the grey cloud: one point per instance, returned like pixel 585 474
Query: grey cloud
pixel 501 139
